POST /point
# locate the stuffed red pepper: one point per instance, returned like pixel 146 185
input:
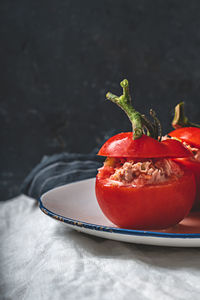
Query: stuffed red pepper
pixel 140 186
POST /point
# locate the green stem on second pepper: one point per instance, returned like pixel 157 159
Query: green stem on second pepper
pixel 180 120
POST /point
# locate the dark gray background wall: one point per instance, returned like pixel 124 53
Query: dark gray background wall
pixel 59 58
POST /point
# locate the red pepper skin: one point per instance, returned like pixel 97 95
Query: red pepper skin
pixel 148 207
pixel 123 145
pixel 191 136
pixel 193 166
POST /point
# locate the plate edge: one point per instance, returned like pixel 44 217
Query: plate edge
pixel 86 225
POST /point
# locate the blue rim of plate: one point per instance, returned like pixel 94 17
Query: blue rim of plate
pixel 96 227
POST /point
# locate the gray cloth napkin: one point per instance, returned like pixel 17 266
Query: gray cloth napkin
pixel 60 169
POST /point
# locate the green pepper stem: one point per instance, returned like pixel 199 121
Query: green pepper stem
pixel 157 125
pixel 125 86
pixel 138 121
pixel 180 120
pixel 124 102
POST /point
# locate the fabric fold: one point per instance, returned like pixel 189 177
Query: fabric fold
pixel 59 169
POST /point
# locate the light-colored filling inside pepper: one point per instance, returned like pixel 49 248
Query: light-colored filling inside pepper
pixel 195 151
pixel 138 173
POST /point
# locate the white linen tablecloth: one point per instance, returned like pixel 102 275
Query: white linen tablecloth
pixel 43 259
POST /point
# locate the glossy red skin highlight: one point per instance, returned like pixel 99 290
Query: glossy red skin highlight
pixel 148 207
pixel 123 145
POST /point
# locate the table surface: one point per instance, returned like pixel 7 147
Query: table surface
pixel 42 259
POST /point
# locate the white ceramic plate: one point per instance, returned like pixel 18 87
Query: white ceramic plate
pixel 76 206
